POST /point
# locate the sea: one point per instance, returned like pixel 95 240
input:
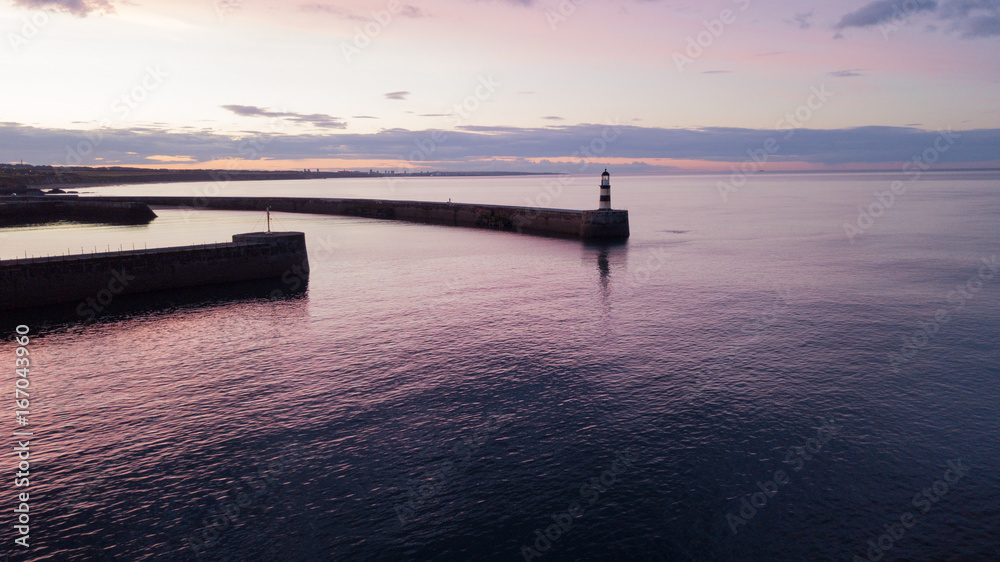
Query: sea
pixel 779 367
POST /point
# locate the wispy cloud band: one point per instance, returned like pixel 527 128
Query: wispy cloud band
pixel 861 145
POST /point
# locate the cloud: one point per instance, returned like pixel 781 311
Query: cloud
pixel 164 158
pixel 881 11
pixel 250 110
pixel 847 73
pixel 80 8
pixel 363 117
pixel 330 9
pixel 859 145
pixel 717 72
pixel 553 118
pixel 320 120
pixel 412 12
pixel 803 19
pixel 973 18
pixel 397 95
pixel 969 18
pixel 405 10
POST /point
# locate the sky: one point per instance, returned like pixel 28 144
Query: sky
pixel 644 86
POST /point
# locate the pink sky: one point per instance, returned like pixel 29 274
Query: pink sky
pixel 234 69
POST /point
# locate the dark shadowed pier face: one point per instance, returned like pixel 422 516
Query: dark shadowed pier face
pixel 22 213
pixel 95 280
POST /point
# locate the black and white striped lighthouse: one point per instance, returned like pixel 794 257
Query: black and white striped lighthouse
pixel 605 191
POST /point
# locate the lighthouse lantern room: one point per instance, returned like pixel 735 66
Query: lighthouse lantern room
pixel 605 191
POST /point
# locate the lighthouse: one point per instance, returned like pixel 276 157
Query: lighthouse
pixel 605 191
pixel 605 222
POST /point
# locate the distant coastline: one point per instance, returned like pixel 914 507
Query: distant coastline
pixel 27 178
pixel 18 178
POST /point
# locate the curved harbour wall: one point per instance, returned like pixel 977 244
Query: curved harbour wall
pixel 40 210
pixel 529 220
pixel 33 282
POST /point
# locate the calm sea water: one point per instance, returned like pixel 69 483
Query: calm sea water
pixel 739 381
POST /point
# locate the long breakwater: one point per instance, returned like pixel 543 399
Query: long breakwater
pixel 595 224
